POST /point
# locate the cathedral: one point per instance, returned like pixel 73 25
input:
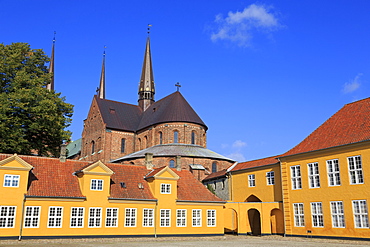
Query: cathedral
pixel 167 132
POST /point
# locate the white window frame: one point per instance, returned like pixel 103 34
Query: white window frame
pixel 337 214
pixel 313 175
pixel 32 217
pixel 196 217
pixel 355 169
pixel 111 217
pixel 96 184
pixel 251 180
pixel 181 217
pixel 95 217
pixel 165 188
pixel 211 217
pixel 77 217
pixel 11 180
pixel 55 217
pixel 7 216
pixel 317 214
pixel 165 218
pixel 270 178
pixel 148 217
pixel 130 217
pixel 333 172
pixel 298 209
pixel 360 214
pixel 296 176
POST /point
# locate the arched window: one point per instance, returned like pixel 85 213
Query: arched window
pixel 175 136
pixel 214 167
pixel 92 147
pixel 123 145
pixel 139 143
pixel 160 138
pixel 146 142
pixel 172 164
pixel 193 137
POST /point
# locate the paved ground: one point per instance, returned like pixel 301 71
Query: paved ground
pixel 227 241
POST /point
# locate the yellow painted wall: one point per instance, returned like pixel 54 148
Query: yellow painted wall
pixel 325 194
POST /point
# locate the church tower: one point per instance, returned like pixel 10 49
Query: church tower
pixel 146 85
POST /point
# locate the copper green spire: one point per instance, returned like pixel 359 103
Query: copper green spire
pixel 101 89
pixel 50 86
pixel 146 85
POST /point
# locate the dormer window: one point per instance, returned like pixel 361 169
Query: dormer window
pixel 11 180
pixel 165 188
pixel 96 184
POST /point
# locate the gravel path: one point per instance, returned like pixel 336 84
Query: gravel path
pixel 226 241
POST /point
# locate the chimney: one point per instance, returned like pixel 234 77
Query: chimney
pixel 149 161
pixel 63 152
pixel 178 163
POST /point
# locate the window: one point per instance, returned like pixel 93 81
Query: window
pixel 360 213
pixel 123 145
pixel 55 217
pixel 92 147
pixel 32 216
pixel 96 184
pixel 298 214
pixel 165 217
pixel 95 217
pixel 160 138
pixel 295 172
pixel 181 217
pixel 11 180
pixel 197 217
pixel 211 217
pixel 251 180
pixel 214 167
pixel 313 175
pixel 355 170
pixel 270 176
pixel 337 214
pixel 130 217
pixel 317 215
pixel 333 172
pixel 111 219
pixel 175 136
pixel 165 188
pixel 148 217
pixel 172 164
pixel 77 217
pixel 7 216
pixel 193 137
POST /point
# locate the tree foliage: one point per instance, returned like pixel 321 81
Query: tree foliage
pixel 32 118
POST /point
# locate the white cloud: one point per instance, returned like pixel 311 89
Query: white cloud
pixel 235 150
pixel 238 26
pixel 236 156
pixel 352 85
pixel 239 144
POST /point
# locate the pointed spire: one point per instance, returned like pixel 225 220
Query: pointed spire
pixel 50 86
pixel 101 89
pixel 146 85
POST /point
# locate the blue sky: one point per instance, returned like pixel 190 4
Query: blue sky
pixel 261 74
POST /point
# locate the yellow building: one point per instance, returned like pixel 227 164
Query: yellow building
pixel 46 197
pixel 326 179
pixel 255 205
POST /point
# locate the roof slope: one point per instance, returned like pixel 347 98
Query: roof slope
pixel 255 163
pixel 173 108
pixel 215 175
pixel 350 124
pixel 175 149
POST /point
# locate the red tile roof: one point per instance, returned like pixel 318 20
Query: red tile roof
pixel 218 174
pixel 350 124
pixel 256 163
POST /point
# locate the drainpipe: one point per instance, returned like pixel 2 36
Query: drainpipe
pixel 155 217
pixel 22 218
pixel 282 194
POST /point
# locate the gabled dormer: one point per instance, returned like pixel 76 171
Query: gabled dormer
pixel 14 173
pixel 95 180
pixel 163 183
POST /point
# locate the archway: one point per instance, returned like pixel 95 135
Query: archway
pixel 254 219
pixel 230 221
pixel 253 198
pixel 277 221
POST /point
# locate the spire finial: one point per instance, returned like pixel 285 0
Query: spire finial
pixel 149 25
pixel 54 37
pixel 101 88
pixel 178 86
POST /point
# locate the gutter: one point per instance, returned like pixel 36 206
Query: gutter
pixel 133 199
pixel 223 202
pixel 22 218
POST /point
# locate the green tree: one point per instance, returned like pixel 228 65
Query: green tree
pixel 32 118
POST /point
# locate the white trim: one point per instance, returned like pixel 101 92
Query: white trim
pixel 113 219
pixel 6 219
pixel 79 218
pixel 55 217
